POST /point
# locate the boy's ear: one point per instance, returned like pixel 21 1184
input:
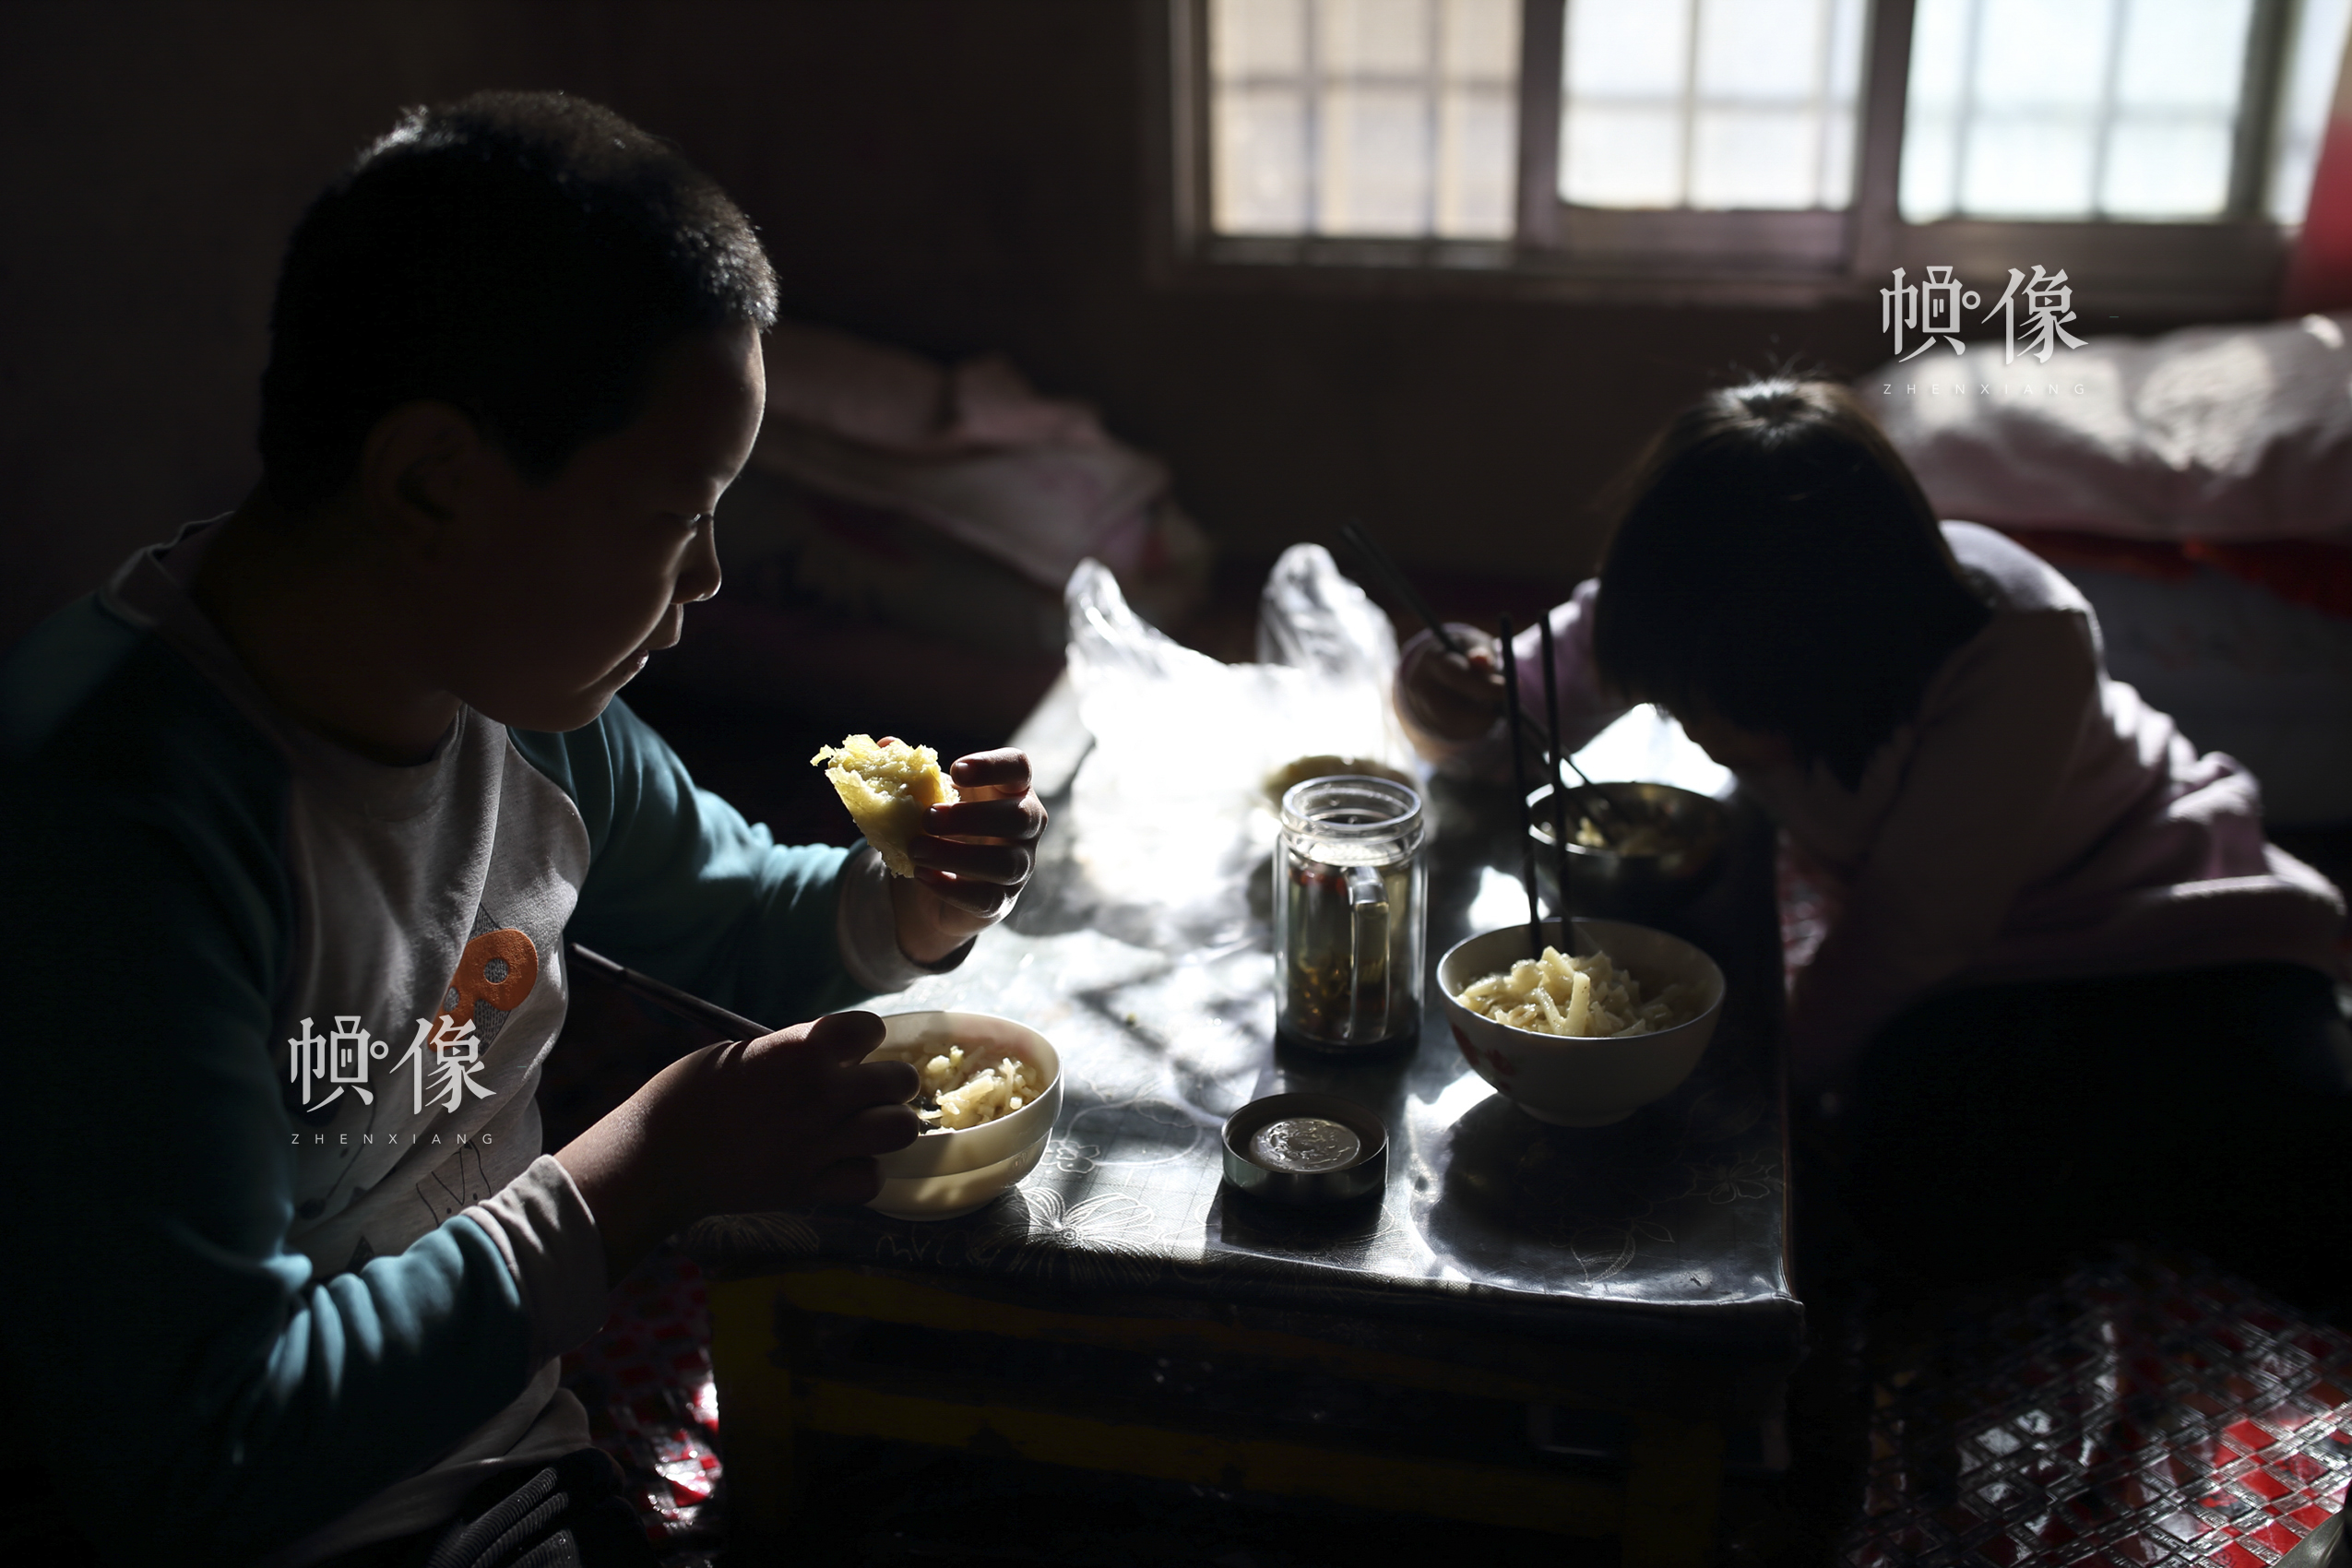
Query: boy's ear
pixel 414 468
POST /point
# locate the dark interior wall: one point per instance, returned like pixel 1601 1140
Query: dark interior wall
pixel 152 158
pixel 954 175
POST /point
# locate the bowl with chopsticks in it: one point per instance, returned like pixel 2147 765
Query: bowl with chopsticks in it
pixel 1583 1080
pixel 1640 849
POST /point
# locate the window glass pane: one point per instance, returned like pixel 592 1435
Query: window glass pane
pixel 2165 167
pixel 1940 35
pixel 1710 103
pixel 1260 136
pixel 1755 56
pixel 1845 48
pixel 1249 37
pixel 1477 145
pixel 1837 162
pixel 1930 165
pixel 1617 50
pixel 1941 42
pixel 1480 40
pixel 1375 37
pixel 1760 49
pixel 2183 55
pixel 1376 162
pixel 1748 158
pixel 2037 55
pixel 2021 164
pixel 1621 157
pixel 2315 56
pixel 2071 109
pixel 1372 117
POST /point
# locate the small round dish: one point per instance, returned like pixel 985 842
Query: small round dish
pixel 954 1171
pixel 1306 1150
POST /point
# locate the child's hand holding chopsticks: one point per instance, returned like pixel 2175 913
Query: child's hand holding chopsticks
pixel 1452 696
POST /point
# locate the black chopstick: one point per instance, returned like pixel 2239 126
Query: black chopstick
pixel 1561 764
pixel 1556 758
pixel 1519 793
pixel 1559 781
pixel 1400 585
pixel 684 1004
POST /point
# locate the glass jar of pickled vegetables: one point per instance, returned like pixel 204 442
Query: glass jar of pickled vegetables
pixel 1351 890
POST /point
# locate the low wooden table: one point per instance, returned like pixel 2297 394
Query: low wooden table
pixel 1572 1331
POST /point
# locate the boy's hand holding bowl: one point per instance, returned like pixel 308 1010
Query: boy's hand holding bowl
pixel 745 1126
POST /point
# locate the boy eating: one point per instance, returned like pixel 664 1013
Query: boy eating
pixel 303 807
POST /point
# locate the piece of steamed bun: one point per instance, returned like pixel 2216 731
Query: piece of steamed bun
pixel 886 786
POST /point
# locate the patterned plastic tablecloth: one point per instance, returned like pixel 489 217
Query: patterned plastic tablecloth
pixel 1669 1227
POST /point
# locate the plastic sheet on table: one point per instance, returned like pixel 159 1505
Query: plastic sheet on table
pixel 1175 822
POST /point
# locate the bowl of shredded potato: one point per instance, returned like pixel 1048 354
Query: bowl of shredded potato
pixel 1585 1036
pixel 1638 849
pixel 990 1091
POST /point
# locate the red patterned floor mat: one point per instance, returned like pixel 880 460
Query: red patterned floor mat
pixel 645 1380
pixel 2144 1411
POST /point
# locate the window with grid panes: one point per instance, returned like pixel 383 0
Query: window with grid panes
pixel 2160 144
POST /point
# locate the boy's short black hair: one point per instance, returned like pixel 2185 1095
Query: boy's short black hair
pixel 1778 567
pixel 523 255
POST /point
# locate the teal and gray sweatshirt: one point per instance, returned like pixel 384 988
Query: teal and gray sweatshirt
pixel 284 1255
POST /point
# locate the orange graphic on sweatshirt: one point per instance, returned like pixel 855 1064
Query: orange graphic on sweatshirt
pixel 499 967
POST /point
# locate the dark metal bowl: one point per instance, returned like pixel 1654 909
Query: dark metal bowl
pixel 1603 882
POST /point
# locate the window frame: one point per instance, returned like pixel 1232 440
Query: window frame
pixel 2229 266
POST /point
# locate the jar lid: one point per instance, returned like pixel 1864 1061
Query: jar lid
pixel 1359 1165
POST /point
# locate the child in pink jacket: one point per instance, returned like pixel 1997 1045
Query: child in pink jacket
pixel 2057 920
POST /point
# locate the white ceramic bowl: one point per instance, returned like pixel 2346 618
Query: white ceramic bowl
pixel 953 1171
pixel 1573 1082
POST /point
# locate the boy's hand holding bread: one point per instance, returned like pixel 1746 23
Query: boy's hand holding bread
pixel 959 845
